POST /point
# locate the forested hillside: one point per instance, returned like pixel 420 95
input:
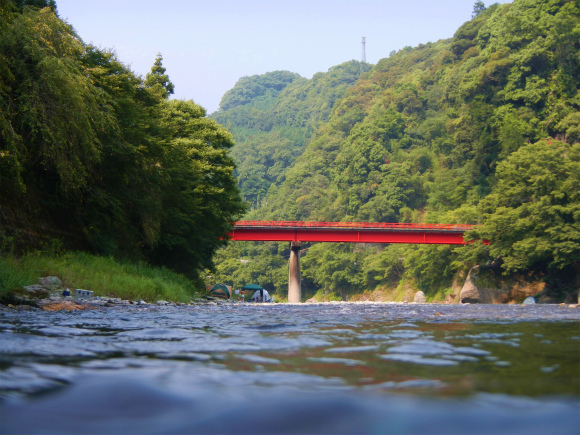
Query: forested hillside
pixel 482 128
pixel 96 158
pixel 272 117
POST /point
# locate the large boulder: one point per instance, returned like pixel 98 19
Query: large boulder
pixel 420 298
pixel 472 293
pixel 486 285
pixel 456 286
pixel 51 283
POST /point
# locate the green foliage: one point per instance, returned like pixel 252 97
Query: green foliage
pixel 158 80
pixel 570 126
pixel 334 267
pixel 259 91
pixel 51 115
pixel 397 189
pixel 387 267
pixel 38 4
pixel 265 264
pixel 115 167
pixel 436 133
pixel 263 164
pixel 532 215
pixel 272 117
pixel 430 266
pixel 200 197
pixel 105 276
pixel 478 8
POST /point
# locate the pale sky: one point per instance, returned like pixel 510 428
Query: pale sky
pixel 208 45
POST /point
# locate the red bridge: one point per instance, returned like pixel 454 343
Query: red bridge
pixel 353 232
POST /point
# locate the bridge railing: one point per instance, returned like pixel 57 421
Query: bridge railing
pixel 353 225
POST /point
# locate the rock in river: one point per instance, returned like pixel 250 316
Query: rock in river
pixel 420 298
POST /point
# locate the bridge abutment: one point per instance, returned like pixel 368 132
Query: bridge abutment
pixel 294 291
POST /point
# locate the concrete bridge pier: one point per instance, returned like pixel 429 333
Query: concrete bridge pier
pixel 294 291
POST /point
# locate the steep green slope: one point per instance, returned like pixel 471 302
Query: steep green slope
pixel 443 111
pixel 272 117
pixel 420 138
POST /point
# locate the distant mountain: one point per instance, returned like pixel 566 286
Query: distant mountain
pixel 272 116
pixel 436 133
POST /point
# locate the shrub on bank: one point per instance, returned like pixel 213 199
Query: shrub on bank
pixel 105 276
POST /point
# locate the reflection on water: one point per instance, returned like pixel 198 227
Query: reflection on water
pixel 325 368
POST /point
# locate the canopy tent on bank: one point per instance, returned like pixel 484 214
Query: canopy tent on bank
pixel 260 293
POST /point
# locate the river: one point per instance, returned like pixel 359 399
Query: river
pixel 337 368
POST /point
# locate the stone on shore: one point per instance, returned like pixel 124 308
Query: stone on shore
pixel 24 308
pixel 420 298
pixel 486 285
pixel 51 283
pixel 28 295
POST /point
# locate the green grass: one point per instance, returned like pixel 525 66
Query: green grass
pixel 322 296
pixel 439 294
pixel 398 293
pixel 105 276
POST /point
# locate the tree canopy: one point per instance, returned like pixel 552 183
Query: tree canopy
pixel 481 128
pixel 93 154
pixel 533 212
pixel 158 80
pixel 272 116
pixel 447 132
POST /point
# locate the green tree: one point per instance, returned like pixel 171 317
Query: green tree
pixel 334 266
pixel 420 136
pixel 120 211
pixel 200 199
pixel 158 80
pixel 50 113
pixel 105 159
pixel 532 217
pixel 39 4
pixel 258 90
pixel 478 8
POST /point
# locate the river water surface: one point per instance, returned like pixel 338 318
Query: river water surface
pixel 341 368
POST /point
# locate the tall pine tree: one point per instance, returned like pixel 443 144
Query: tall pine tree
pixel 158 80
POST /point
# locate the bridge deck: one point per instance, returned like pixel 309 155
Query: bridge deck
pixel 353 232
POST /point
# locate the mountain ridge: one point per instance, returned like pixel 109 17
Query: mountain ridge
pixel 428 135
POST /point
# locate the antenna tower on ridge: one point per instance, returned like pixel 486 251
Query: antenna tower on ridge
pixel 364 55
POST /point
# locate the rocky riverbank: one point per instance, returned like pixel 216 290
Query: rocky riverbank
pixel 480 287
pixel 51 295
pixel 486 285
